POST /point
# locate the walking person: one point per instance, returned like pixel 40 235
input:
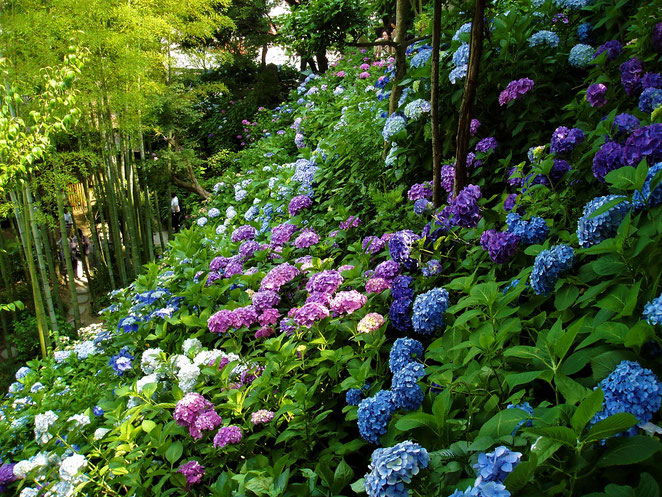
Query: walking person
pixel 176 213
pixel 74 253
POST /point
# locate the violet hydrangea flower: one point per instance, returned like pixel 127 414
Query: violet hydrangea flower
pixel 564 139
pixel 347 302
pixel 464 207
pixel 298 203
pixel 500 245
pixel 515 89
pixel 595 95
pixel 193 471
pixel 631 73
pixel 227 435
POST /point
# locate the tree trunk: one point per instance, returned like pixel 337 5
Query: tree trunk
pixel 434 103
pixel 66 250
pixel 42 327
pixel 158 223
pixel 467 107
pixel 263 61
pixel 400 38
pixel 45 280
pixel 48 250
pixel 105 232
pixel 322 61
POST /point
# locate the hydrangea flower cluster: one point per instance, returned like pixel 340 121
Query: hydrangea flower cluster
pixel 370 322
pixel 347 302
pixel 581 55
pixel 261 416
pixel 193 471
pixel 306 239
pixel 197 414
pixel 515 90
pixel 393 125
pixel 227 435
pixel 464 208
pixel 298 203
pixel 529 232
pixel 392 467
pixel 420 59
pixel 650 99
pixel 630 388
pixel 653 311
pixel 429 308
pixel 632 72
pixel 595 95
pixel 564 140
pixel 612 47
pixel 374 414
pixel 121 362
pixel 548 266
pixel 400 246
pixel 416 108
pixel 497 465
pixel 645 197
pixel 419 191
pixel 607 159
pixel 544 37
pixel 402 300
pixel 373 245
pixel 593 230
pixel 407 394
pixel 500 245
pixel 644 143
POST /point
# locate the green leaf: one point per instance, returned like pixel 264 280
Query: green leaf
pixel 604 208
pixel 416 420
pixel 560 434
pixel 647 487
pixel 148 425
pixel 629 450
pixel 515 379
pixel 624 178
pixel 586 410
pixel 503 423
pixel 259 485
pixel 613 425
pixel 358 486
pixel 571 390
pixel 639 334
pixel 342 476
pixel 174 452
pixel 565 297
pixel 521 475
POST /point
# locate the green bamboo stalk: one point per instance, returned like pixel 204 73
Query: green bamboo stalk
pixel 148 204
pixel 67 257
pixel 104 232
pixel 128 204
pixel 159 223
pixel 27 200
pixel 95 233
pixel 42 327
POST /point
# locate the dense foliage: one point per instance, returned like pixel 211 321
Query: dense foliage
pixel 322 330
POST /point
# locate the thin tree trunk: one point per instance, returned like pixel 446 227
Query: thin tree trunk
pixel 5 336
pixel 42 327
pixel 400 38
pixel 66 250
pixel 467 107
pixel 159 223
pixel 104 247
pixel 434 103
pixel 127 205
pixel 27 200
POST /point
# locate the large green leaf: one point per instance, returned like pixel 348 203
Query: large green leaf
pixel 503 423
pixel 613 425
pixel 629 450
pixel 587 409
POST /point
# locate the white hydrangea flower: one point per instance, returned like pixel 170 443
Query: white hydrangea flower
pixel 202 221
pixel 85 349
pixel 61 489
pixel 178 361
pixel 71 466
pixel 188 377
pixel 80 420
pixel 221 228
pixel 207 357
pixel 61 355
pixel 151 360
pixel 192 345
pixel 29 492
pixel 99 433
pixel 42 423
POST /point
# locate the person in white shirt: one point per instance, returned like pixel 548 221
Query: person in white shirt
pixel 176 212
pixel 68 220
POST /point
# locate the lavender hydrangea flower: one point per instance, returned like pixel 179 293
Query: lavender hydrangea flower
pixel 650 99
pixel 564 140
pixel 656 38
pixel 612 47
pixel 350 222
pixel 310 313
pixel 279 276
pixel 373 245
pixel 631 73
pixel 393 125
pixel 221 322
pixel 464 208
pixel 457 74
pixel 193 471
pixel 347 302
pixel 645 142
pixel 227 435
pixel 500 245
pixel 607 159
pixel 281 234
pixel 298 203
pixel 473 127
pixel 432 268
pixel 326 281
pixel 245 232
pixel 595 95
pixel 419 191
pixel 306 239
pixel 515 89
pixel 486 144
pixel 400 246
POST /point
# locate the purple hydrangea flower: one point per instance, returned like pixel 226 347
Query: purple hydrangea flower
pixel 327 281
pixel 595 95
pixel 248 248
pixel 387 270
pixel 227 435
pixel 464 207
pixel 473 127
pixel 351 222
pixel 309 313
pixel 486 144
pixel 221 322
pixel 500 245
pixel 510 202
pixel 279 276
pixel 121 362
pixel 373 245
pixel 419 191
pixel 306 239
pixel 218 263
pixel 645 142
pixel 281 234
pixel 656 38
pixel 400 246
pixel 244 316
pixel 564 140
pixel 631 73
pixel 377 285
pixel 347 302
pixel 262 416
pixel 197 414
pixel 193 471
pixel 298 203
pixel 607 159
pixel 432 268
pixel 515 89
pixel 612 47
pixel 245 232
pixel 448 177
pixel 265 299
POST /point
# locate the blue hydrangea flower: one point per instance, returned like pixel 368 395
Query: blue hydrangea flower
pixel 422 205
pixel 354 396
pixel 593 230
pixel 416 108
pixel 549 264
pixel 393 125
pixel 400 287
pixel 584 32
pixel 403 352
pixel 121 362
pixel 461 55
pixel 465 28
pixel 581 55
pixel 420 59
pixel 572 4
pixel 374 414
pixel 392 467
pixel 213 212
pixel 407 394
pixel 650 99
pixel 496 465
pixel 530 232
pixel 544 37
pixel 129 324
pixel 431 268
pixel 457 74
pixel 97 411
pixel 484 489
pixel 429 308
pixel 398 314
pixel 22 372
pixel 653 311
pixel 400 246
pixel 630 388
pixel 645 197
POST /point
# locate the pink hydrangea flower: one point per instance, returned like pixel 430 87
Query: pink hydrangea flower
pixel 261 416
pixel 347 302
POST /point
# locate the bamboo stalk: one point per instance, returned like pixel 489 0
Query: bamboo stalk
pixel 105 231
pixel 64 239
pixel 27 200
